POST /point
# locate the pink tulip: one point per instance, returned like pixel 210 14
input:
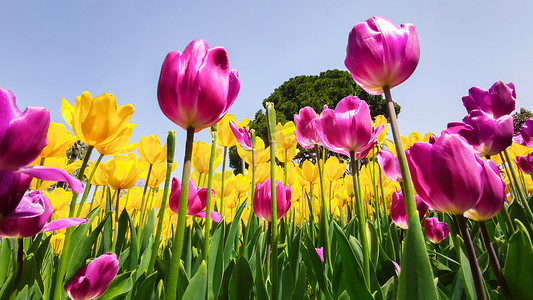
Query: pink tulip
pixel 525 135
pixel 489 136
pixel 242 135
pixel 448 175
pixel 262 200
pixel 31 217
pixel 380 54
pixel 197 200
pixel 498 101
pixel 196 87
pixel 389 165
pixel 492 197
pixel 436 231
pixel 525 163
pixel 306 123
pixel 320 252
pixel 13 185
pixel 398 212
pixel 93 280
pixel 348 128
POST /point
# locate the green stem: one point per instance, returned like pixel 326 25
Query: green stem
pixel 209 187
pixel 251 214
pixel 494 260
pixel 523 197
pixel 20 262
pixel 62 268
pixel 177 246
pixel 143 203
pixel 39 181
pixel 376 197
pixel 361 218
pixel 472 259
pixel 323 213
pixel 88 187
pixel 271 118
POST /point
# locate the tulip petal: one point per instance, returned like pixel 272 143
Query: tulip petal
pixel 53 174
pixel 63 223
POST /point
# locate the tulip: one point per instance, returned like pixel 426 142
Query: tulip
pixel 389 165
pixel 225 136
pixel 436 231
pixel 201 154
pixel 333 169
pixel 13 185
pixel 98 121
pixel 348 128
pixel 242 135
pixel 525 135
pixel 197 199
pixel 448 174
pixel 488 135
pixel 123 171
pixel 492 197
pixel 379 54
pixel 196 87
pixel 59 141
pixel 150 150
pixel 498 101
pixel 262 200
pixel 320 252
pixel 306 123
pixel 285 138
pixel 31 217
pixel 22 135
pixel 309 172
pixel 399 214
pixel 525 163
pixel 262 154
pixel 91 281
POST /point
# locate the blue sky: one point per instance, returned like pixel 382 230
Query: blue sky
pixel 58 49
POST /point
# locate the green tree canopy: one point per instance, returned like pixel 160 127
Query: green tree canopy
pixel 520 118
pixel 315 91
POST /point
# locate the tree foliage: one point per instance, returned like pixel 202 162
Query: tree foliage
pixel 315 91
pixel 520 118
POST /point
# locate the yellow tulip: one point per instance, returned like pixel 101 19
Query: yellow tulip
pixel 229 183
pixel 262 154
pixel 262 172
pixel 134 195
pixel 348 185
pixel 159 173
pixel 97 121
pixel 333 169
pixel 123 171
pixel 381 120
pixel 59 141
pixel 291 171
pixel 201 153
pixel 414 137
pixel 309 172
pixel 100 176
pixel 57 241
pixel 120 144
pixel 242 185
pixel 284 155
pixel 285 137
pixel 59 198
pixel 151 151
pixel 427 136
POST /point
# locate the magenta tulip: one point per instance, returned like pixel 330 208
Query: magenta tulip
pixel 22 135
pixel 242 135
pixel 389 165
pixel 197 200
pixel 398 213
pixel 196 87
pixel 525 163
pixel 93 280
pixel 525 135
pixel 13 185
pixel 498 101
pixel 448 175
pixel 348 128
pixel 380 54
pixel 493 195
pixel 31 217
pixel 436 231
pixel 320 252
pixel 262 200
pixel 306 123
pixel 489 136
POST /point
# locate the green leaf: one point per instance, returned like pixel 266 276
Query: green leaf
pixel 241 283
pixel 146 289
pixel 314 263
pixel 216 267
pixel 518 270
pixel 470 288
pixel 353 278
pixel 416 277
pixel 121 284
pixel 5 261
pixel 196 288
pixel 232 233
pixel 134 251
pixel 300 287
pixel 286 283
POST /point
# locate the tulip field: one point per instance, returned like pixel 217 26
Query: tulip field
pixel 416 216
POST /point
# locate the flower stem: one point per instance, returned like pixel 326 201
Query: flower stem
pixel 86 191
pixel 143 201
pixel 177 245
pixel 472 259
pixel 209 194
pixel 323 213
pixel 519 190
pixel 362 219
pixel 494 260
pixel 212 158
pixel 20 262
pixel 271 118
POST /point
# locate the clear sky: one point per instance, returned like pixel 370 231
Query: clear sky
pixel 58 49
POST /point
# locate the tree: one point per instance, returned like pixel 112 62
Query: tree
pixel 520 118
pixel 315 91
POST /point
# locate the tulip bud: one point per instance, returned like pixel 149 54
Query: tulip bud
pixel 436 231
pixel 91 281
